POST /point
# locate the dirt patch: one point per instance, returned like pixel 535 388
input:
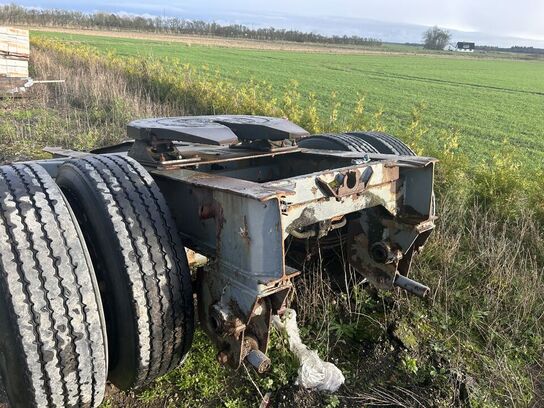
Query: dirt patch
pixel 224 42
pixel 116 398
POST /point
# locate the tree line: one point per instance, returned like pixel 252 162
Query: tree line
pixel 14 14
pixel 515 48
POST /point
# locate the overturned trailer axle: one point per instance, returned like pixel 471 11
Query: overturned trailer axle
pixel 237 190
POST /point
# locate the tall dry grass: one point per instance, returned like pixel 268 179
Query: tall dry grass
pixel 95 99
pixel 487 275
pixel 90 109
pixel 484 317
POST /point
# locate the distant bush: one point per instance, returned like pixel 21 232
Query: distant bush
pixel 436 38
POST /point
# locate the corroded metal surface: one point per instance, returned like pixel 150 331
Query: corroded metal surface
pixel 218 129
pixel 242 226
pixel 239 207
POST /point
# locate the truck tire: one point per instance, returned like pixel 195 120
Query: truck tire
pixel 384 143
pixel 337 141
pixel 53 349
pixel 140 264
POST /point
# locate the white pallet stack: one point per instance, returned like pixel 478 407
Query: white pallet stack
pixel 14 54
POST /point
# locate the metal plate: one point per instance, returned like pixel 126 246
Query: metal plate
pixel 217 130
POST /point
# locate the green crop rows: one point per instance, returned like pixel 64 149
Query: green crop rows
pixel 488 100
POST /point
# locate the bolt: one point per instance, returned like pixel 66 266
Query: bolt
pixel 258 310
pixel 222 358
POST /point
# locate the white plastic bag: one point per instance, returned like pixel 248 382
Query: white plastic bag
pixel 313 372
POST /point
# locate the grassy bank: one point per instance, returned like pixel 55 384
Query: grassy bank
pixel 487 100
pixel 477 340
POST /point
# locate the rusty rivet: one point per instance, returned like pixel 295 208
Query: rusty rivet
pixel 206 211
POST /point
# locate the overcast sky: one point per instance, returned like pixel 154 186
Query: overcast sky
pixel 520 18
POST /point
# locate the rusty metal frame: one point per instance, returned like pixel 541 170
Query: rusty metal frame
pixel 238 206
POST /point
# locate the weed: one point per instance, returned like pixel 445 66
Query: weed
pixel 410 364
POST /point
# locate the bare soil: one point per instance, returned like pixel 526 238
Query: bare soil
pixel 212 41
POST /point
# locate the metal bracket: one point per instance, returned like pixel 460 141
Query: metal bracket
pixel 349 183
pixel 153 138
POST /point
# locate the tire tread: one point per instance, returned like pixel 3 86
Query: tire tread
pixel 384 143
pixel 64 359
pixel 155 265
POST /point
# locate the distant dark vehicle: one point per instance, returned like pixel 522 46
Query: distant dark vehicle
pixel 465 46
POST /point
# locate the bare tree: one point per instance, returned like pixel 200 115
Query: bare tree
pixel 436 38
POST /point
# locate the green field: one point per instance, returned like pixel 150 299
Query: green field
pixel 488 100
pixel 477 340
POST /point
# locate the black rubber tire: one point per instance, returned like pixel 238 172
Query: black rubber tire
pixel 337 141
pixel 384 143
pixel 140 264
pixel 52 332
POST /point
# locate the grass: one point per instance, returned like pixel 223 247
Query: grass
pixel 478 340
pixel 487 100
